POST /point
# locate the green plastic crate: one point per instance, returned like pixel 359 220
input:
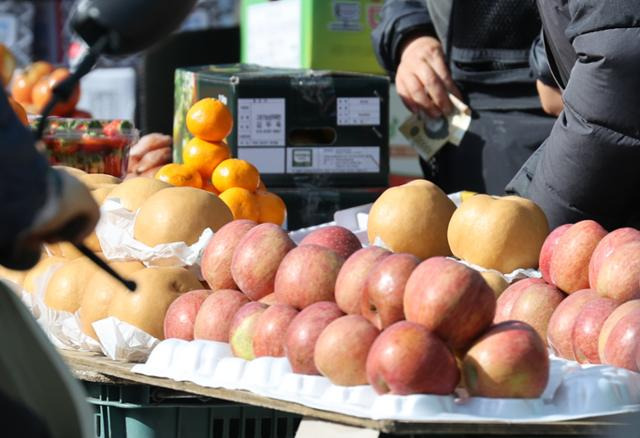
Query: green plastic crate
pixel 142 411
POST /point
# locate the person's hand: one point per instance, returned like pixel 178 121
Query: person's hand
pixel 70 213
pixel 150 153
pixel 423 79
pixel 550 98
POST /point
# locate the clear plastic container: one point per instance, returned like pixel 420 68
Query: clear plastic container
pixel 95 146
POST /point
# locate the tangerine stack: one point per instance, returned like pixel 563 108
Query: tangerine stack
pixel 208 165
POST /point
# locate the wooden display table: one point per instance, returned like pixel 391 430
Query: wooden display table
pixel 96 368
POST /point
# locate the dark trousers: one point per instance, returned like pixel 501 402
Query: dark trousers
pixel 494 148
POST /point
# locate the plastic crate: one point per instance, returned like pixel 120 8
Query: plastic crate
pixel 142 411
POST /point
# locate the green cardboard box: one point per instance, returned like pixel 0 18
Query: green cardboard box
pixel 317 34
pixel 299 127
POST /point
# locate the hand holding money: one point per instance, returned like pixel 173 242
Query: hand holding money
pixel 428 135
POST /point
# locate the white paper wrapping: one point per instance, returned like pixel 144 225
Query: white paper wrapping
pixel 122 341
pixel 115 233
pixel 573 391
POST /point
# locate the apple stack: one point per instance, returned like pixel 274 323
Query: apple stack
pixel 358 315
pixel 599 322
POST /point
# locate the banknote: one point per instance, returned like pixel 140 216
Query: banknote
pixel 428 135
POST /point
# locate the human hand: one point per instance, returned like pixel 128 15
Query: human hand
pixel 550 98
pixel 423 79
pixel 148 154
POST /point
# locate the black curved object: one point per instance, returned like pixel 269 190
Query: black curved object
pixel 130 25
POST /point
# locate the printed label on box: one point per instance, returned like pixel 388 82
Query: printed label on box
pixel 364 159
pixel 261 122
pixel 346 16
pixel 267 160
pixel 275 33
pixel 358 111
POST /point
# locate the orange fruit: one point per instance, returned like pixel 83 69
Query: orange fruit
pixel 272 208
pixel 22 85
pixel 235 172
pixel 19 110
pixel 209 187
pixel 21 89
pixel 242 203
pixel 205 156
pixel 38 69
pixel 209 119
pixel 7 64
pixel 42 91
pixel 262 187
pixel 179 175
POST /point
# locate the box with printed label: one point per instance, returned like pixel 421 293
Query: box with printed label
pixel 318 34
pixel 298 127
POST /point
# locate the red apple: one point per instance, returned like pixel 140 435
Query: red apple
pixel 334 237
pixel 243 328
pixel 342 348
pixel 509 296
pixel 181 314
pixel 307 275
pixel 214 317
pixel 407 358
pixel 619 274
pixel 569 267
pixel 535 306
pixel 383 295
pixel 606 246
pixel 560 327
pixel 352 276
pixel 623 342
pixel 620 312
pixel 449 299
pixel 587 327
pixel 216 258
pixel 271 328
pixel 508 361
pixel 257 257
pixel 269 299
pixel 303 332
pixel 547 249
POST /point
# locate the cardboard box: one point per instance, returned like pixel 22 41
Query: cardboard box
pixel 318 34
pixel 300 128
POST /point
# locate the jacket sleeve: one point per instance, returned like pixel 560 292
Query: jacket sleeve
pixel 588 167
pixel 399 18
pixel 22 177
pixel 539 62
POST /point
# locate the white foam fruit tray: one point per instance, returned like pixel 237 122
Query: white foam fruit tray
pixel 574 391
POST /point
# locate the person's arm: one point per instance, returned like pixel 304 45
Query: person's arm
pixel 548 90
pixel 588 167
pixel 399 19
pixel 405 43
pixel 39 204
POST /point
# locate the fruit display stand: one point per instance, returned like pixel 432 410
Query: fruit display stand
pixel 284 415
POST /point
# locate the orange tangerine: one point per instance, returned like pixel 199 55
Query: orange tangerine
pixel 179 175
pixel 209 119
pixel 42 92
pixel 209 187
pixel 272 208
pixel 235 172
pixel 7 64
pixel 242 203
pixel 205 156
